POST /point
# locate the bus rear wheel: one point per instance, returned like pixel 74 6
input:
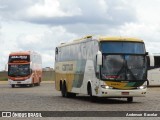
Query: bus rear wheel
pixel 13 86
pixel 130 99
pixel 32 85
pixel 39 82
pixel 65 93
pixel 71 95
pixel 64 90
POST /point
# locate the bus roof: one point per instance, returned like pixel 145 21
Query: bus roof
pixel 102 38
pixel 126 39
pixel 20 53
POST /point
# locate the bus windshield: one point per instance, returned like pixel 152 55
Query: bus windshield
pixel 123 61
pixel 123 47
pixel 123 67
pixel 19 70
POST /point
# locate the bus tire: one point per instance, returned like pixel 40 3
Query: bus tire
pixel 64 90
pixel 13 86
pixel 130 99
pixel 71 95
pixel 147 83
pixel 32 84
pixel 92 98
pixel 39 82
pixel 65 93
pixel 60 85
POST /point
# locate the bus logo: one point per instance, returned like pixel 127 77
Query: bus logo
pixel 6 114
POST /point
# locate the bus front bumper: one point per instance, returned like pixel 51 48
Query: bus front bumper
pixel 122 93
pixel 27 81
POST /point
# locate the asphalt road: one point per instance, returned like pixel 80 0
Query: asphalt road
pixel 46 98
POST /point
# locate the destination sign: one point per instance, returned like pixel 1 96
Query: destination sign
pixel 19 58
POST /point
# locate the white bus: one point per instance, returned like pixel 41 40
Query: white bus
pixel 153 69
pixel 24 68
pixel 102 67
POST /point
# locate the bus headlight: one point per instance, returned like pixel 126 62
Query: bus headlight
pixel 106 87
pixel 142 87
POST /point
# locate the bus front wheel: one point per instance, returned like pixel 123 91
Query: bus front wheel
pixel 147 83
pixel 92 98
pixel 13 86
pixel 130 99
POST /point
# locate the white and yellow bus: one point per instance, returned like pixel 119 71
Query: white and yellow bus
pixel 102 67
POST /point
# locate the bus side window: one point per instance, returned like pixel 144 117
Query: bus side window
pixel 97 69
pixel 56 50
pixel 148 62
pixel 56 53
pixel 157 61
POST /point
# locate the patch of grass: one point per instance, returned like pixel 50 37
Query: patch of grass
pixel 46 76
pixel 3 76
pixel 3 79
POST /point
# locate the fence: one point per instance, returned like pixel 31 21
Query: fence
pixel 3 76
pixel 48 75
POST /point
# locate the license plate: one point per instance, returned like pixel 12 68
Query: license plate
pixel 18 82
pixel 125 93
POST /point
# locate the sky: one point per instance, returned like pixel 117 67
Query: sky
pixel 41 25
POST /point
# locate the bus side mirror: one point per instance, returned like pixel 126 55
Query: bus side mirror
pixel 150 60
pixel 146 53
pixel 99 58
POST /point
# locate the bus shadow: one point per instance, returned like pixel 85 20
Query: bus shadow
pixel 104 100
pixel 24 86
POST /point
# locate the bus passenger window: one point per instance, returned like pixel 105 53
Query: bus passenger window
pixel 148 61
pixel 157 61
pixel 56 50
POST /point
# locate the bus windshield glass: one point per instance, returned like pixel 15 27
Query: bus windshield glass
pixel 123 61
pixel 123 47
pixel 19 70
pixel 123 67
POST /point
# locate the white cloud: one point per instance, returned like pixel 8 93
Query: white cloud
pixel 47 40
pixel 103 4
pixel 51 8
pixel 150 33
pixel 147 10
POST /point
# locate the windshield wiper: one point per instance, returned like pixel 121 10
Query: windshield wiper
pixel 130 73
pixel 124 69
pixel 121 71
